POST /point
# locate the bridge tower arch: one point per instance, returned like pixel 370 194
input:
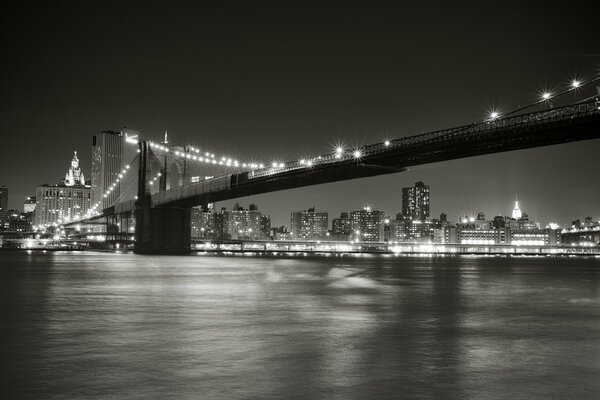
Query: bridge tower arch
pixel 159 230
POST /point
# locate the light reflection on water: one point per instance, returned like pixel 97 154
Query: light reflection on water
pixel 99 325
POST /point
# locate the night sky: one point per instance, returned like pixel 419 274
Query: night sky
pixel 279 81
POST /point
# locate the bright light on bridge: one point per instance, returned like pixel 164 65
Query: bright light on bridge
pixel 357 154
pixel 575 83
pixel 546 95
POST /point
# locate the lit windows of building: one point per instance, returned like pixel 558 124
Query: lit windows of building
pixel 340 227
pixel 309 224
pixel 416 202
pixel 367 225
pixel 62 201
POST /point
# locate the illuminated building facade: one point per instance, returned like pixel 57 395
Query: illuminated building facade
pixel 367 225
pixel 74 176
pixel 516 213
pixel 244 223
pixel 237 224
pixel 416 202
pixel 483 236
pixel 309 224
pixel 202 224
pixel 65 201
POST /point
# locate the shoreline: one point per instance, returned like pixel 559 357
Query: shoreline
pixel 316 254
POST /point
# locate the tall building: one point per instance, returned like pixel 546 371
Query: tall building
pixel 107 154
pixel 309 224
pixel 3 205
pixel 367 225
pixel 415 202
pixel 67 200
pixel 516 213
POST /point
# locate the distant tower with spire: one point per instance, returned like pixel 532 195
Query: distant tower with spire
pixel 74 176
pixel 516 213
pixel 166 137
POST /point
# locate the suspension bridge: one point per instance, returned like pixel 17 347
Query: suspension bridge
pixel 157 215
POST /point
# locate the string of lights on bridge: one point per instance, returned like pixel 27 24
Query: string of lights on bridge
pixel 543 97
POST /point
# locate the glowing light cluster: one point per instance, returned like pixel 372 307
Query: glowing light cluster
pixel 544 96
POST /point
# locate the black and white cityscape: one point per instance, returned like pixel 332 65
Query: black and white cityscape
pixel 300 200
pixel 58 214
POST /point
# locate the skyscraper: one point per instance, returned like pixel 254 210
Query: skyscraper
pixel 3 205
pixel 516 213
pixel 415 202
pixel 107 154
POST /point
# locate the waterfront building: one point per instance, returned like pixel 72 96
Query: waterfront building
pixel 538 237
pixel 309 224
pixel 483 236
pixel 281 233
pixel 367 225
pixel 202 224
pixel 397 229
pixel 419 231
pixel 340 227
pixel 67 200
pixel 450 234
pixel 3 205
pixel 221 223
pixel 416 202
pixel 107 153
pixel 244 223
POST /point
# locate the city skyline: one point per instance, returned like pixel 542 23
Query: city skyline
pixel 271 83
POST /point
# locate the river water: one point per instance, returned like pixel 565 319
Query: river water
pixel 111 326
